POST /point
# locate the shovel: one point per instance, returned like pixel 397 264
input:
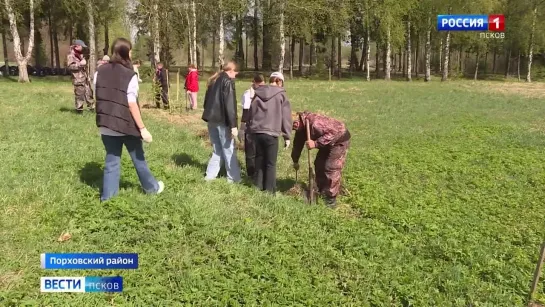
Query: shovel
pixel 310 172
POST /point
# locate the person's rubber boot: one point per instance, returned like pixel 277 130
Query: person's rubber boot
pixel 331 202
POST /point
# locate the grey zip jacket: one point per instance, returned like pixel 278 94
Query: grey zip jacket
pixel 270 112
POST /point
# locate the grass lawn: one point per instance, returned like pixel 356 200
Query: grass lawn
pixel 445 203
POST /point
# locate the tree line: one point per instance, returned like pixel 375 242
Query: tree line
pixel 384 36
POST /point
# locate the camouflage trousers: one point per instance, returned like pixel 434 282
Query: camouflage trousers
pixel 328 167
pixel 83 96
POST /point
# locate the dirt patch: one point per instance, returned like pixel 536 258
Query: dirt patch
pixel 175 118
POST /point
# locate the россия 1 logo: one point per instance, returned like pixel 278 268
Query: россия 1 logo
pixel 494 23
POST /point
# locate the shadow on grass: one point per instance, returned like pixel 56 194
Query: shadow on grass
pixel 67 110
pixel 285 184
pixel 91 174
pixel 187 160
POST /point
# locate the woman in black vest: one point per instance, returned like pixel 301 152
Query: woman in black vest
pixel 119 121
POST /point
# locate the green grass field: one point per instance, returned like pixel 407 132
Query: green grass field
pixel 445 203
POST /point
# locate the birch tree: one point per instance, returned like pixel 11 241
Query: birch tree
pixel 92 45
pixel 155 33
pixel 282 38
pixel 221 33
pixel 22 61
pixel 531 43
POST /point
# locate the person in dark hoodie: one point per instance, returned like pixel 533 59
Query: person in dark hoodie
pixel 332 139
pixel 269 118
pixel 161 79
pixel 220 113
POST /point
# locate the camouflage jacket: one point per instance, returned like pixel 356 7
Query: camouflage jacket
pixel 79 75
pixel 325 131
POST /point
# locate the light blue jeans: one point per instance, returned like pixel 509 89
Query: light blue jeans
pixel 224 152
pixel 112 165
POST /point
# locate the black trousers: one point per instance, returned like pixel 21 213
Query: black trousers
pixel 249 152
pixel 265 162
pixel 162 96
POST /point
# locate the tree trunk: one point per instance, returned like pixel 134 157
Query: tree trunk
pixel 92 47
pixel 332 55
pixel 301 55
pixel 518 67
pixel 282 38
pixel 485 63
pixel 56 45
pixel 267 36
pixel 353 57
pixel 446 58
pixel 460 52
pixel 377 61
pixel 194 33
pixel 363 55
pixel 214 50
pixel 494 62
pixel 409 52
pixel 367 53
pixel 50 26
pixel 70 33
pixel 190 46
pixel 239 51
pixel 427 76
pixel 311 55
pixel 22 61
pixel 5 49
pixel 156 37
pixel 441 56
pixel 400 67
pixel 292 55
pixel 339 57
pixel 508 63
pixel 222 38
pixel 476 66
pixel 416 55
pixel 106 38
pixel 531 48
pixel 256 34
pixel 388 52
pixel 246 52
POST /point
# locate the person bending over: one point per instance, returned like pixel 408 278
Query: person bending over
pixel 332 140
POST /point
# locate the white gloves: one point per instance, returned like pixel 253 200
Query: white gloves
pixel 83 62
pixel 241 132
pixel 146 136
pixel 287 144
pixel 234 133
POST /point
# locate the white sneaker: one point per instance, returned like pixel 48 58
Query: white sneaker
pixel 161 187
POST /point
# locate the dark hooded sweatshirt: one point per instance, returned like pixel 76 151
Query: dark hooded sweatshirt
pixel 270 112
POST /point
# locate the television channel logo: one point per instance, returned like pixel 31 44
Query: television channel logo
pixel 82 284
pixel 493 23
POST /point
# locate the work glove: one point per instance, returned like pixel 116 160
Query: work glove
pixel 234 133
pixel 83 62
pixel 296 166
pixel 146 136
pixel 241 132
pixel 287 144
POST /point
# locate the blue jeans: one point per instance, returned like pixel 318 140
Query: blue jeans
pixel 112 166
pixel 224 152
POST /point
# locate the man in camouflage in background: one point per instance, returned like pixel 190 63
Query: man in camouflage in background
pixel 77 66
pixel 332 139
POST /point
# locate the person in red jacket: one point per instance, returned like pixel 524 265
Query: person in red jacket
pixel 192 85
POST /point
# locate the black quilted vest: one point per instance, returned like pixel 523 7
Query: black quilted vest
pixel 112 107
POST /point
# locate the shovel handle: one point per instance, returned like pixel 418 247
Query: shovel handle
pixel 310 179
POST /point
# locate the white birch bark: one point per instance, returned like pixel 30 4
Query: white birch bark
pixel 22 61
pixel 282 39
